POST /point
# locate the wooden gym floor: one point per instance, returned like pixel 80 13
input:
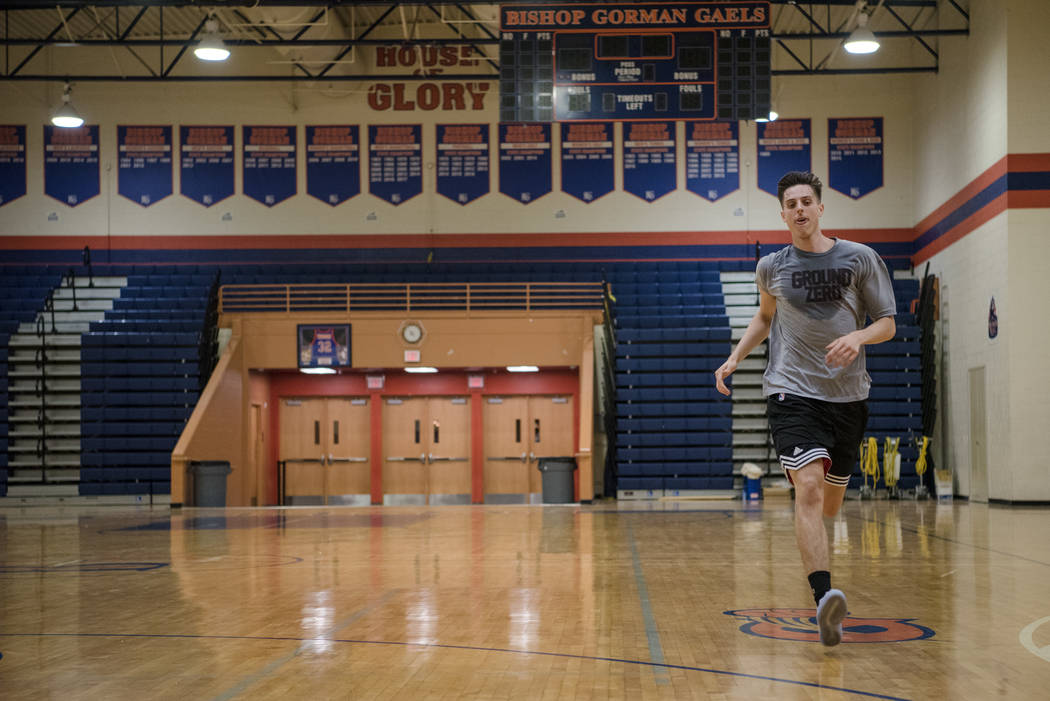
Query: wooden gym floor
pixel 659 600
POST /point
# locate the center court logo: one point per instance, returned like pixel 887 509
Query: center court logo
pixel 801 625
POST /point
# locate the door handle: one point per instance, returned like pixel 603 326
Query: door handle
pixel 532 456
pixel 400 458
pixel 333 459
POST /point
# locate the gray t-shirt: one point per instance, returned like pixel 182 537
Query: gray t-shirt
pixel 820 297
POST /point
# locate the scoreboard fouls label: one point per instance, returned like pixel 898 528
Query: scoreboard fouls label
pixel 635 61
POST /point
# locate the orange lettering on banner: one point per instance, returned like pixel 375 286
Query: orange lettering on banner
pixel 206 135
pixel 648 132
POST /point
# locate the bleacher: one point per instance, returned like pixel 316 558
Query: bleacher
pixel 21 295
pixel 673 430
pixel 140 378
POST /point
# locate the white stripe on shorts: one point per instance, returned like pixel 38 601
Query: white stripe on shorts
pixel 836 480
pixel 794 462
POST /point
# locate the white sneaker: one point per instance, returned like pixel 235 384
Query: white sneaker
pixel 830 612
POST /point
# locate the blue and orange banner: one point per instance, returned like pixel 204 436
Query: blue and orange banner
pixel 649 169
pixel 395 161
pixel 71 165
pixel 525 160
pixel 855 149
pixel 12 162
pixel 144 164
pixel 269 163
pixel 783 145
pixel 206 169
pixel 333 162
pixel 587 165
pixel 712 158
pixel 463 161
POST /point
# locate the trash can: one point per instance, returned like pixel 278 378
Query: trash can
pixel 752 488
pixel 209 482
pixel 557 480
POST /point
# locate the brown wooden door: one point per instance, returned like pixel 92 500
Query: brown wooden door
pixel 404 451
pixel 550 436
pixel 348 439
pixel 448 450
pixel 506 476
pixel 303 450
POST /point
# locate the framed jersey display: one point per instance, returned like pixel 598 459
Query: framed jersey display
pixel 324 346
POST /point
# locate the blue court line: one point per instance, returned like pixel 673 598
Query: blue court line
pixel 643 663
pixel 656 652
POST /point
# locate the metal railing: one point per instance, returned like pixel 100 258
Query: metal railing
pixel 409 297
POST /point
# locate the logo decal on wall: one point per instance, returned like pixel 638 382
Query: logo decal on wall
pixel 801 625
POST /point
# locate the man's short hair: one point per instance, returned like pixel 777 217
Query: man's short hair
pixel 796 177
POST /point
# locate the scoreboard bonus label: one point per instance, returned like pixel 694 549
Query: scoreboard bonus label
pixel 636 61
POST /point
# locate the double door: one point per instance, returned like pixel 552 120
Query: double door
pixel 519 431
pixel 426 450
pixel 324 444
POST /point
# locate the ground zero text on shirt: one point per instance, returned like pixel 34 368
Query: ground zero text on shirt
pixel 822 285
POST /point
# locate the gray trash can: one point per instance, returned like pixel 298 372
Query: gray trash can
pixel 557 480
pixel 209 482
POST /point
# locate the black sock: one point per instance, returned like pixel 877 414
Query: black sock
pixel 820 582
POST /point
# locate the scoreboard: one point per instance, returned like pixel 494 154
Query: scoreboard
pixel 634 61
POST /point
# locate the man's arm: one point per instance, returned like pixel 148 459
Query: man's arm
pixel 756 332
pixel 844 350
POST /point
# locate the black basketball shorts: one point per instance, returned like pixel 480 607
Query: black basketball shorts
pixel 807 429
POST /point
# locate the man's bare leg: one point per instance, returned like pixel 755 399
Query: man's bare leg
pixel 809 516
pixel 833 496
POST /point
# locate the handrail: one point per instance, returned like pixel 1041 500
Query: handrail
pixel 41 332
pixel 423 296
pixel 208 343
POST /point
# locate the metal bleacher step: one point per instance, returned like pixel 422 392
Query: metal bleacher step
pixel 61 339
pixel 97 281
pixel 753 453
pixel 35 475
pixel 32 355
pixel 34 431
pixel 60 327
pixel 71 399
pixel 749 423
pixel 749 409
pixel 31 461
pixel 749 439
pixel 57 445
pixel 28 369
pixel 49 385
pixel 737 276
pixel 752 364
pixel 42 490
pixel 93 293
pixel 66 306
pixel 52 415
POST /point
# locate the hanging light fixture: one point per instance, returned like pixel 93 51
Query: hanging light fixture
pixel 67 116
pixel 211 46
pixel 862 40
pixel 771 118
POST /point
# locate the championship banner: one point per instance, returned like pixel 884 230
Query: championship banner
pixel 783 145
pixel 12 162
pixel 587 167
pixel 333 162
pixel 463 161
pixel 206 163
pixel 649 170
pixel 71 170
pixel 712 158
pixel 269 155
pixel 395 161
pixel 144 167
pixel 855 155
pixel 525 160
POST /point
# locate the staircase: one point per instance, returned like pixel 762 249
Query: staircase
pixel 751 441
pixel 43 388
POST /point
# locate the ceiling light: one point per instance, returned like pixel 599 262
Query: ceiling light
pixel 211 46
pixel 318 371
pixel 771 118
pixel 522 368
pixel 862 40
pixel 421 369
pixel 67 116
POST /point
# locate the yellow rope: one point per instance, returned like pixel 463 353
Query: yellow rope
pixel 890 450
pixel 869 464
pixel 920 464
